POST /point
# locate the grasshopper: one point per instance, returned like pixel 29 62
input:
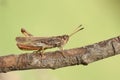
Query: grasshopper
pixel 30 42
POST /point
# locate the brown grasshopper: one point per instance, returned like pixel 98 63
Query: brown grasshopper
pixel 30 42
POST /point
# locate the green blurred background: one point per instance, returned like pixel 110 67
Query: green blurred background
pixel 101 19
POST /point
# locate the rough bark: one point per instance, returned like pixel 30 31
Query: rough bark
pixel 55 60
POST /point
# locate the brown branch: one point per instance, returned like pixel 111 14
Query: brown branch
pixel 54 60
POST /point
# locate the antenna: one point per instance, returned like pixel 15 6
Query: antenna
pixel 76 30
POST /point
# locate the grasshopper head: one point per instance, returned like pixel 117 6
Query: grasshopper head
pixel 64 39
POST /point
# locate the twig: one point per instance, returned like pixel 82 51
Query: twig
pixel 54 60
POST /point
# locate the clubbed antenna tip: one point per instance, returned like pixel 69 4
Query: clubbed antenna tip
pixel 77 30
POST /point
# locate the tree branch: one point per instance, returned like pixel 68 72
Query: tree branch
pixel 54 60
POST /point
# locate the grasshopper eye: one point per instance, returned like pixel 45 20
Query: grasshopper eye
pixel 65 37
